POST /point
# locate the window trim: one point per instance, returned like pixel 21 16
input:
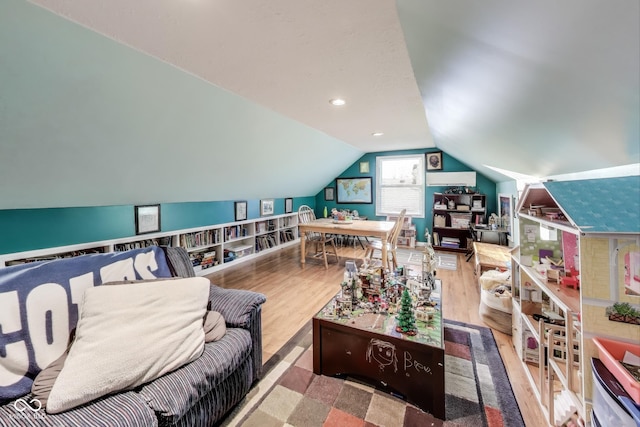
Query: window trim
pixel 421 211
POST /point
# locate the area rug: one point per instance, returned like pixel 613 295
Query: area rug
pixel 446 261
pixel 478 392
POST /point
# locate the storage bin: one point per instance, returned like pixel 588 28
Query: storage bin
pixel 610 353
pixel 609 405
pixel 460 220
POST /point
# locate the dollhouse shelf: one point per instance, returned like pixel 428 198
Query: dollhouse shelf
pixel 557 309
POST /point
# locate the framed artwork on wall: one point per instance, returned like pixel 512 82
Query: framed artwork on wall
pixel 329 193
pixel 288 205
pixel 240 209
pixel 434 161
pixel 147 219
pixel 364 167
pixel 266 207
pixel 354 190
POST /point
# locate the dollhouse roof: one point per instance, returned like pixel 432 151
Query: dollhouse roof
pixel 606 205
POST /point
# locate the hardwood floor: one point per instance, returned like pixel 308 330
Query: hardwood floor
pixel 295 293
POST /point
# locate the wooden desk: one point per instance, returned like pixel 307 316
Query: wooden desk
pixel 502 234
pixel 380 229
pixel 489 257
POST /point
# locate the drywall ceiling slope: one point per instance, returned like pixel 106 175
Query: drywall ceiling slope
pixel 540 88
pixel 289 56
pixel 87 121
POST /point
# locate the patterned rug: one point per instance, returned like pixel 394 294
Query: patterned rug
pixel 447 261
pixel 478 392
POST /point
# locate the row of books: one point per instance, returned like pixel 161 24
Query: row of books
pixel 265 242
pixel 161 241
pixel 289 221
pixel 287 236
pixel 235 231
pixel 200 238
pixel 446 242
pixel 263 227
pixel 204 259
pixel 71 254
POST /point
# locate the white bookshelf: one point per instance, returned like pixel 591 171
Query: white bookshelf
pixel 211 248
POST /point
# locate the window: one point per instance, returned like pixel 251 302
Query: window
pixel 400 185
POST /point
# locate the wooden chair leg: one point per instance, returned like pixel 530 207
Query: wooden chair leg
pixel 324 252
pixel 335 251
pixel 394 259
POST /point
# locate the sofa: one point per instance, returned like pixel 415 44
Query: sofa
pixel 42 304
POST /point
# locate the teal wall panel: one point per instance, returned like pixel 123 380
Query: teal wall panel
pixel 484 185
pixel 31 229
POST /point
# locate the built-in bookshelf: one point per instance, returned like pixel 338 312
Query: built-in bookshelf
pixel 210 247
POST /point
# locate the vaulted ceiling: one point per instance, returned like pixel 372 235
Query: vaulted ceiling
pixel 538 88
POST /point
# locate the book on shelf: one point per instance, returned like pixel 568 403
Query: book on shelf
pixel 450 242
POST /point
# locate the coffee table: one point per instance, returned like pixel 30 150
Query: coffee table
pixel 366 346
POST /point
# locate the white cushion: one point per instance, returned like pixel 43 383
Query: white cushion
pixel 129 335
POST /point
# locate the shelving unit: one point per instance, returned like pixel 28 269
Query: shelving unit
pixel 210 248
pixel 557 309
pixel 452 215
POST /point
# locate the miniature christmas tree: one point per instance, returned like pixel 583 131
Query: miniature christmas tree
pixel 406 319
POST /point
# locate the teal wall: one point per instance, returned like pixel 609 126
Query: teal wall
pixel 30 229
pixel 86 121
pixel 450 164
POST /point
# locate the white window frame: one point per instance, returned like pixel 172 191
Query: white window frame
pixel 418 209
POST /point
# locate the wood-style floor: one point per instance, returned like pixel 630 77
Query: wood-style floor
pixel 295 293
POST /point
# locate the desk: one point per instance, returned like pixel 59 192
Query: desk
pixel 502 234
pixel 489 257
pixel 380 229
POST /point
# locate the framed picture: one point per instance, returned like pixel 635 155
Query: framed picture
pixel 505 211
pixel 240 209
pixel 364 167
pixel 434 161
pixel 147 219
pixel 354 190
pixel 266 207
pixel 288 205
pixel 329 193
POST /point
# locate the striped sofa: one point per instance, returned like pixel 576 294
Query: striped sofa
pixel 197 394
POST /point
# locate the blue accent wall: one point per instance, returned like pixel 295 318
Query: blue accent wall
pixel 31 229
pixel 484 185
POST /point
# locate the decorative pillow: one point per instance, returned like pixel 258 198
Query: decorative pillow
pixel 214 329
pixel 214 326
pixel 129 335
pixel 43 383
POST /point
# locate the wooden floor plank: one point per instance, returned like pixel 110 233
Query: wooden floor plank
pixel 295 293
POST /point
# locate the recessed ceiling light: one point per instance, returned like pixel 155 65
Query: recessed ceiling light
pixel 337 102
pixel 377 133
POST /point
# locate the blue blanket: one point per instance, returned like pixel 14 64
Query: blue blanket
pixel 39 307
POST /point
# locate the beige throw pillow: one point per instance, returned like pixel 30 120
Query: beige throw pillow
pixel 214 326
pixel 129 335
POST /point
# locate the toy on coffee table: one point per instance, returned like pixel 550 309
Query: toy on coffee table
pixel 404 293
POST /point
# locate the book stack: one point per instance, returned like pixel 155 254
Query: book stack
pixel 450 242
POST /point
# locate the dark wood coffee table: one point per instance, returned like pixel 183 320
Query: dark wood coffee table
pixel 367 347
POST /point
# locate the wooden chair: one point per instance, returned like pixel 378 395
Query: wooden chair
pixel 392 244
pixel 319 240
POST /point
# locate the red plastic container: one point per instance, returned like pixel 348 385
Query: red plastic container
pixel 611 353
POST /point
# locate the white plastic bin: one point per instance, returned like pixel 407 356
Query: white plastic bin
pixel 607 393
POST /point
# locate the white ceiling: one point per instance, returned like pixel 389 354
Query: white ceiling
pixel 540 88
